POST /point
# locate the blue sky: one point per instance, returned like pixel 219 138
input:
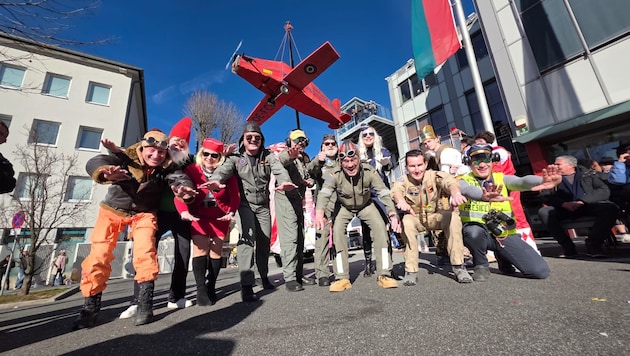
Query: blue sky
pixel 185 47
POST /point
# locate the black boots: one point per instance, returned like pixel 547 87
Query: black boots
pixel 145 303
pixel 200 266
pixel 213 273
pixel 89 313
pixel 248 295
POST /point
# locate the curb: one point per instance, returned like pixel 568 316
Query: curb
pixel 66 294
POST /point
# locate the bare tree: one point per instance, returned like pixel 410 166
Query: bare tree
pixel 44 20
pixel 47 195
pixel 213 117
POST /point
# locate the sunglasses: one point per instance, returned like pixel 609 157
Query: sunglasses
pixel 253 138
pixel 481 158
pixel 153 142
pixel 302 140
pixel 211 154
pixel 366 134
pixel 349 154
pixel 330 143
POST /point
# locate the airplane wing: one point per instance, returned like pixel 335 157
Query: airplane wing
pixel 312 66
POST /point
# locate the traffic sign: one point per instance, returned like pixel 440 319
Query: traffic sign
pixel 18 220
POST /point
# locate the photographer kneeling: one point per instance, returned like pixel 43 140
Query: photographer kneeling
pixel 488 218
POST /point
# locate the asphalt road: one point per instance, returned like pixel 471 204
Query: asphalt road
pixel 582 309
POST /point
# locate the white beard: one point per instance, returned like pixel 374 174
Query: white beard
pixel 180 157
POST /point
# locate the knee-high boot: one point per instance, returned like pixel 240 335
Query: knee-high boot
pixel 89 313
pixel 145 303
pixel 200 267
pixel 213 272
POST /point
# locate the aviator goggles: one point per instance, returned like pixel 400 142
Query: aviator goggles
pixel 366 134
pixel 330 143
pixel 482 157
pixel 349 154
pixel 153 142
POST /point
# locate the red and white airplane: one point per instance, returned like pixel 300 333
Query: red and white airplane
pixel 283 85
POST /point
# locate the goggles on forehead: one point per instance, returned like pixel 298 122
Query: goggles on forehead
pixel 153 142
pixel 349 154
pixel 481 157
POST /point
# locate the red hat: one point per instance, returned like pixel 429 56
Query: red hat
pixel 213 145
pixel 182 129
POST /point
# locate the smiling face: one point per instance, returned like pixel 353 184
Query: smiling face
pixel 329 147
pixel 252 142
pixel 351 165
pixel 481 165
pixel 416 166
pixel 153 156
pixel 210 158
pixel 368 137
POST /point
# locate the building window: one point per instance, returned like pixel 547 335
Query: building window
pixel 417 86
pixel 29 186
pixel 79 189
pixel 495 106
pixel 601 22
pixel 56 85
pixel 44 132
pixel 6 119
pixel 98 94
pixel 89 138
pixel 70 235
pixel 11 76
pixel 439 123
pixel 558 41
pixel 405 91
pixel 479 47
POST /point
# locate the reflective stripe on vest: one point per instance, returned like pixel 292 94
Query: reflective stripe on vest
pixel 474 210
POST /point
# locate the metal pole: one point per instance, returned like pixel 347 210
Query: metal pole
pixel 8 271
pixel 288 27
pixel 474 70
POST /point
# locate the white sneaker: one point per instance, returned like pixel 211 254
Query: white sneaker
pixel 625 238
pixel 130 312
pixel 180 304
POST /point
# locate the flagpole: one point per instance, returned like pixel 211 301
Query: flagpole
pixel 474 70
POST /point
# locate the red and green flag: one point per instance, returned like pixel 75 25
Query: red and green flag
pixel 433 34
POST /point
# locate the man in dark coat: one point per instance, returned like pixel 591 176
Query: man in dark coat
pixel 580 194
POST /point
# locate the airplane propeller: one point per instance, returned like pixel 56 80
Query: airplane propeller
pixel 227 65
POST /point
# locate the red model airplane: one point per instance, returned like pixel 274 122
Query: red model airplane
pixel 284 85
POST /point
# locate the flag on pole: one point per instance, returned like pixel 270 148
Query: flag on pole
pixel 433 34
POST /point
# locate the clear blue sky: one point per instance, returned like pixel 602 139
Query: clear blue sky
pixel 183 46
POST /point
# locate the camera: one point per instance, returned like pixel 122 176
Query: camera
pixel 498 223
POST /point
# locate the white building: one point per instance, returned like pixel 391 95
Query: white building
pixel 71 100
pixel 563 72
pixel 446 100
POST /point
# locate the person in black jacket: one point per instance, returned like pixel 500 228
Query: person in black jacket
pixel 581 193
pixel 7 181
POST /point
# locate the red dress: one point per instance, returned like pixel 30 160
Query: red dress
pixel 208 206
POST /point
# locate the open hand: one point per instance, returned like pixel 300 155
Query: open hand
pixel 115 174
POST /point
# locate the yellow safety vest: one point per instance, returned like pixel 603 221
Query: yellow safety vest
pixel 474 210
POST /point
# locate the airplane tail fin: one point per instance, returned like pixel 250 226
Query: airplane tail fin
pixel 337 104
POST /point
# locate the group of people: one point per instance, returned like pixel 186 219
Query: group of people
pixel 156 185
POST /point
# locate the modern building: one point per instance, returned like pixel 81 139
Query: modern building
pixel 562 71
pixel 64 101
pixel 446 99
pixel 368 112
